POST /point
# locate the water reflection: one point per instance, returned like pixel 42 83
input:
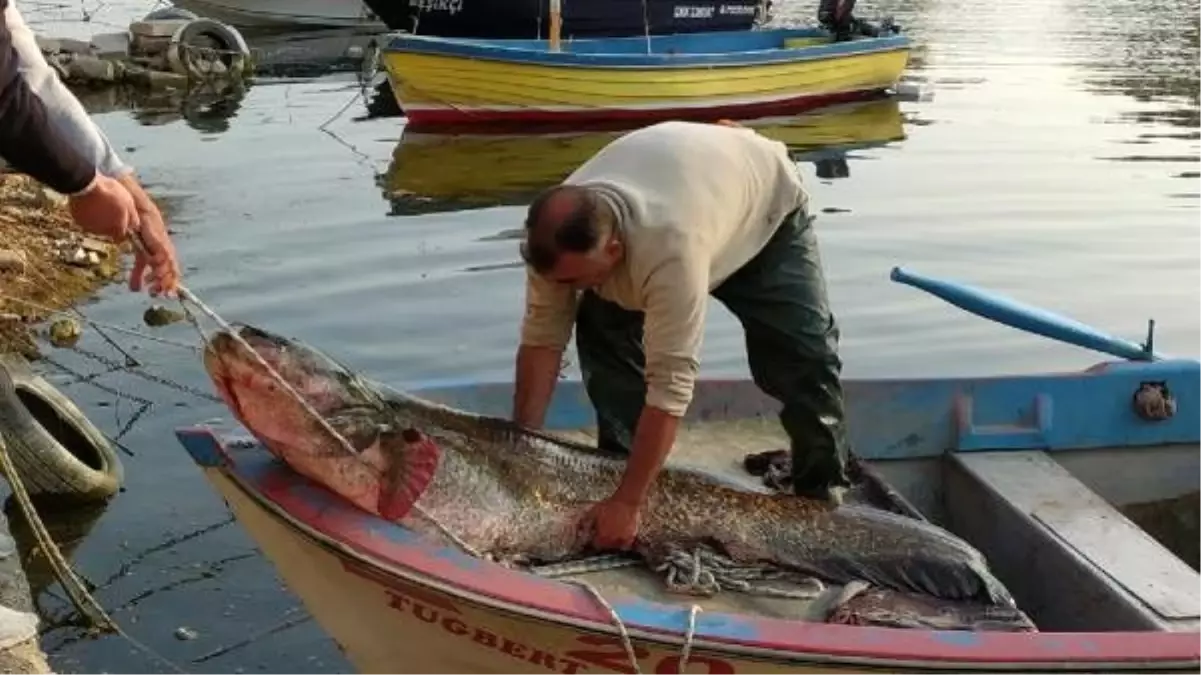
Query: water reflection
pixel 206 107
pixel 68 528
pixel 444 172
pixel 1147 50
pixel 310 53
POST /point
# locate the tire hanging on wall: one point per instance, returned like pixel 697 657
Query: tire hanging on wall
pixel 56 450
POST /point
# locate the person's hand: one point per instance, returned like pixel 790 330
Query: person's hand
pixel 106 209
pixel 614 523
pixel 157 253
pixel 118 209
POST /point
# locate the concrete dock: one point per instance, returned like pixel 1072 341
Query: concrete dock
pixel 20 654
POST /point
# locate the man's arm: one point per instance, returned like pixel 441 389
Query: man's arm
pixel 545 332
pixel 27 140
pixel 65 114
pixel 677 295
pixel 537 373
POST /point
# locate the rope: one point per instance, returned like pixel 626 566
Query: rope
pixel 705 572
pixel 80 597
pixel 627 642
pixel 75 313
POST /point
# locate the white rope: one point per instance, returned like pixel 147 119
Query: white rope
pixel 71 583
pixel 704 572
pixel 628 643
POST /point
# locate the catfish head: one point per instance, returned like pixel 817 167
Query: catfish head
pixel 385 470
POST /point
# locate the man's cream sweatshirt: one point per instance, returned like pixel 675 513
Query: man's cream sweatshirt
pixel 694 203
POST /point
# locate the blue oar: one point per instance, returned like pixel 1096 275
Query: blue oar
pixel 1028 318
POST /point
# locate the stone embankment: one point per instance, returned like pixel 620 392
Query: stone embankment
pixel 177 51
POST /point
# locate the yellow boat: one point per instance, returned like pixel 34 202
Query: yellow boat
pixel 477 170
pixel 453 81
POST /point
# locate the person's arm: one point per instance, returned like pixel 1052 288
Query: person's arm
pixel 545 331
pixel 27 139
pixel 63 110
pixel 677 296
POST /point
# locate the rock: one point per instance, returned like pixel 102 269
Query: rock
pixel 111 45
pixel 154 79
pixel 162 28
pixel 81 257
pixel 161 316
pixel 65 332
pixel 91 68
pixel 12 261
pixel 59 45
pixel 51 199
pixel 99 246
pixel 149 44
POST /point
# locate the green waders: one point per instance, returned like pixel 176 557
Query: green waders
pixel 792 348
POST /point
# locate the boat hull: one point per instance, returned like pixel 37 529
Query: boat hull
pixel 581 18
pixel 686 77
pixel 278 14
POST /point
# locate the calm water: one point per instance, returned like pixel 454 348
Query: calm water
pixel 1056 162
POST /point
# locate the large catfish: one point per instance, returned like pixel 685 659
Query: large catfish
pixel 513 493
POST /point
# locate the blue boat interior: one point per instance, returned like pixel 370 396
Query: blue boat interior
pixel 1081 488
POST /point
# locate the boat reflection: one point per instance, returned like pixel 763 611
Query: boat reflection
pixel 447 172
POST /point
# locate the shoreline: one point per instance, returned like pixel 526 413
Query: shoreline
pixel 46 262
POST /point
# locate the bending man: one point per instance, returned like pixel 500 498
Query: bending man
pixel 46 133
pixel 627 251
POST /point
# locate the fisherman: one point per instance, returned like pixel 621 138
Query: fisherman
pixel 627 250
pixel 46 133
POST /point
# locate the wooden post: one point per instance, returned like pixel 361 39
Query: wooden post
pixel 556 23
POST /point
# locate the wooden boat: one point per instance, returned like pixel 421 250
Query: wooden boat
pixel 475 170
pixel 525 19
pixel 1034 470
pixel 450 81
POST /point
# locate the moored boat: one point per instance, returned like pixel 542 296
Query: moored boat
pixel 524 19
pixel 1034 470
pixel 277 14
pixel 449 81
pixel 482 169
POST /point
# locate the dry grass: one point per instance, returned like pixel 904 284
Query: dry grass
pixel 34 222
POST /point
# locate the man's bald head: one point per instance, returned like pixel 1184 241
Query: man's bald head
pixel 563 219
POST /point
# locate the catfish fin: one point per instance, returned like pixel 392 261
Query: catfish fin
pixel 412 461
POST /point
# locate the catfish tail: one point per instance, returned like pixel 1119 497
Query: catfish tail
pixel 890 551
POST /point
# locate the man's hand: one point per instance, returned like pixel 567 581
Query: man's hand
pixel 106 209
pixel 615 520
pixel 159 254
pixel 614 523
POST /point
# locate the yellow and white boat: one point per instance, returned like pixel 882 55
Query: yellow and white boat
pixel 783 71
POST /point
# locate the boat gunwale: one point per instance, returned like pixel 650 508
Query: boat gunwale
pixel 534 53
pixel 335 523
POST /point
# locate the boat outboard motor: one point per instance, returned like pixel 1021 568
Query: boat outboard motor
pixel 835 16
